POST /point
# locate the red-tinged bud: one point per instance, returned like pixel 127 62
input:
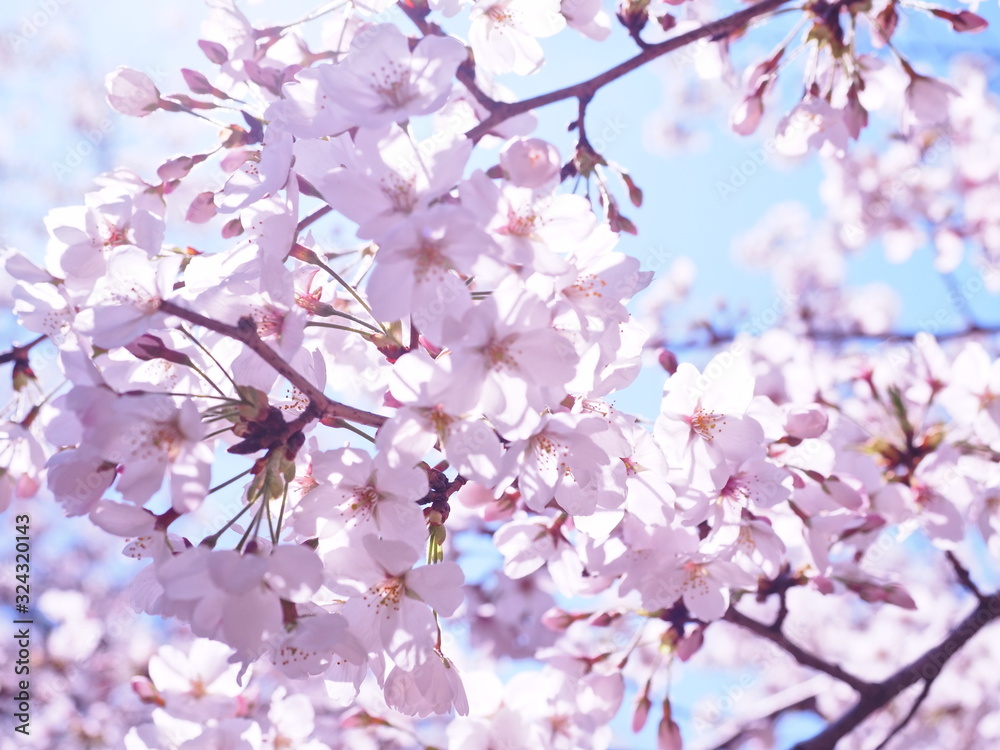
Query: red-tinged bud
pixel 202 208
pixel 760 75
pixel 390 349
pixel 668 361
pixel 148 347
pixel 634 192
pixel 360 720
pixel 214 51
pixel 855 115
pixel 666 21
pixel 823 584
pixel 232 228
pixel 690 644
pixel 559 619
pixel 641 713
pixel 896 594
pixel 303 253
pixel 604 619
pixel 433 349
pixel 747 114
pixel 885 24
pixel 633 14
pixel 146 690
pixel 182 102
pixel 197 82
pixel 668 735
pixel 964 22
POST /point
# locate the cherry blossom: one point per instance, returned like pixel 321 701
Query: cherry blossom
pixel 345 377
pixel 504 35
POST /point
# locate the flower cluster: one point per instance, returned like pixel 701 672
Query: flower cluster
pixel 449 374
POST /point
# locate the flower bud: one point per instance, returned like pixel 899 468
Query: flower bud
pixel 131 92
pixel 530 162
pixel 806 422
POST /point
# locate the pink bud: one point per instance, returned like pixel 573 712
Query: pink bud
pixel 806 422
pixel 896 594
pixel 668 735
pixel 232 228
pixel 196 81
pixel 214 51
pixel 885 24
pixel 689 645
pixel 855 115
pixel 530 162
pixel 202 208
pixel 760 74
pixel 668 361
pixel 746 115
pixel 604 619
pixel 146 691
pixel 558 619
pixel 175 169
pixel 131 92
pixel 26 486
pixel 963 22
pixel 391 401
pixel 823 584
pixel 642 706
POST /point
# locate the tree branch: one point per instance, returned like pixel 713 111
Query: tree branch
pixel 20 353
pixel 963 575
pixel 926 668
pixel 924 692
pixel 246 332
pixel 466 72
pixel 798 653
pixel 502 111
pixel 715 338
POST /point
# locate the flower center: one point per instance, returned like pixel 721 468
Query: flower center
pixel 708 424
pixel 388 594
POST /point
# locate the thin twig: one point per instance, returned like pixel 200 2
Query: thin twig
pixel 246 333
pixel 505 110
pixel 798 653
pixel 20 352
pixel 924 692
pixel 466 72
pixel 926 668
pixel 717 338
pixel 963 576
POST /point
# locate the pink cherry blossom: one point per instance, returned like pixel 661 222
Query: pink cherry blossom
pixel 132 92
pixel 504 34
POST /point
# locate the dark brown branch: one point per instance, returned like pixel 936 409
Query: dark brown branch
pixel 246 332
pixel 924 692
pixel 20 353
pixel 316 215
pixel 505 110
pixel 798 653
pixel 963 576
pixel 926 668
